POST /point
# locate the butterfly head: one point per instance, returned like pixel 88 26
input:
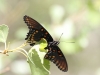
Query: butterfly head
pixel 54 43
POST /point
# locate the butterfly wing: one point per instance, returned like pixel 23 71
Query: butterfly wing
pixel 56 56
pixel 31 23
pixel 36 31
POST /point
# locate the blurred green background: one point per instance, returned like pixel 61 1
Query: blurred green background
pixel 78 20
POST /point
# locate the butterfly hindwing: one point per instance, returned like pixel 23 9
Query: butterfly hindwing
pixel 55 55
pixel 33 36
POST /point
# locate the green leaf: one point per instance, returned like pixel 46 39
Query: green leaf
pixel 3 33
pixel 38 65
pixel 43 44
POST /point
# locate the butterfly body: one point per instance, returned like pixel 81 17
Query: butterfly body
pixel 36 33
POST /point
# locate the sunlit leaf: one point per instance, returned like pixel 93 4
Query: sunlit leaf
pixel 38 65
pixel 43 44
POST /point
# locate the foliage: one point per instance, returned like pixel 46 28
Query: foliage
pixel 3 32
pixel 38 65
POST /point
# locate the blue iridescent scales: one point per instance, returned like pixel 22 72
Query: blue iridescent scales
pixel 36 32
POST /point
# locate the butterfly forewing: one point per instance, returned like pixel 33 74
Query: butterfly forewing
pixel 31 23
pixel 55 55
pixel 36 31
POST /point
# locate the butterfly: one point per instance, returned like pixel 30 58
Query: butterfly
pixel 36 33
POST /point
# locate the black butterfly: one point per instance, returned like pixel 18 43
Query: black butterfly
pixel 36 33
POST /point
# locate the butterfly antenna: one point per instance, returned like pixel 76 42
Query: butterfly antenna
pixel 60 37
pixel 64 41
pixel 67 42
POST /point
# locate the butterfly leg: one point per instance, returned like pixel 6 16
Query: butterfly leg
pixel 46 47
pixel 32 44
